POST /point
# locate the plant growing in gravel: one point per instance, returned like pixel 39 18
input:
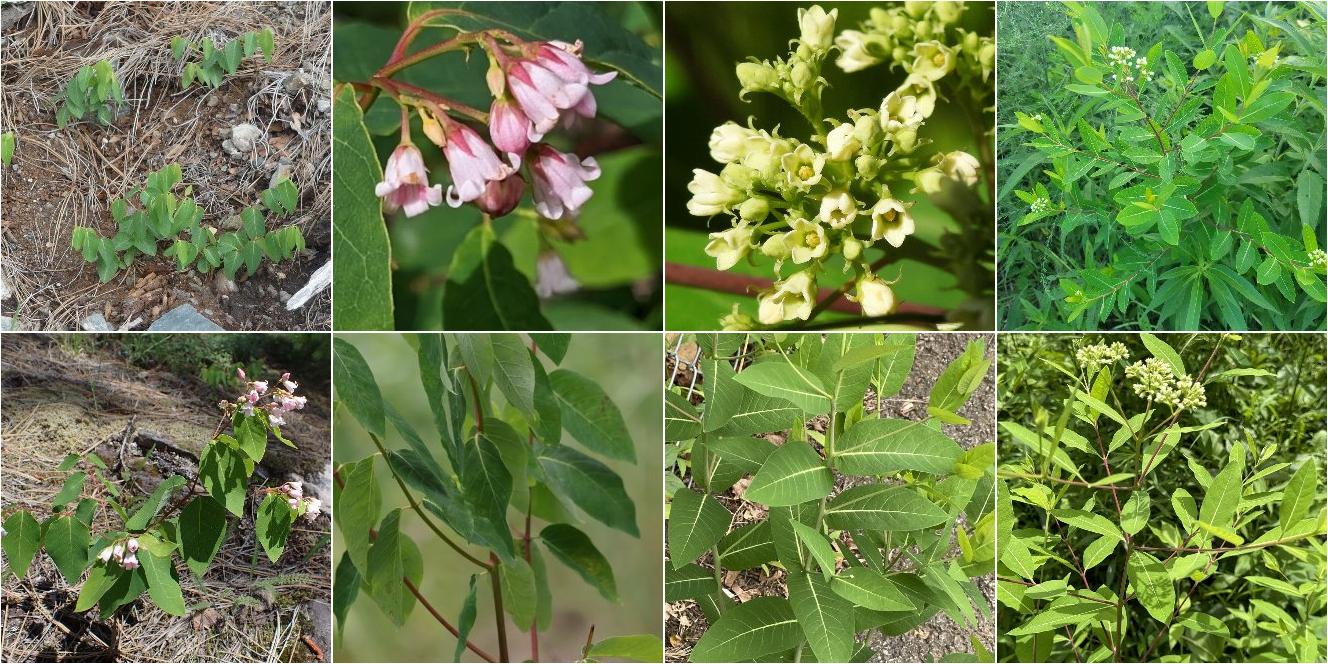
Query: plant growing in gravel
pixel 1183 181
pixel 219 60
pixel 7 143
pixel 849 184
pixel 140 555
pixel 499 418
pixel 1145 514
pixel 164 217
pixel 93 90
pixel 860 555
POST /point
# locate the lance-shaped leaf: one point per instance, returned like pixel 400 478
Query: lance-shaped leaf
pixel 514 372
pixel 520 598
pixel 758 413
pixel 791 549
pixel 792 474
pixel 1299 493
pixel 591 485
pixel 723 394
pixel 1223 495
pixel 783 380
pixel 635 648
pixel 591 416
pixel 756 628
pixel 696 522
pixel 1065 611
pixel 818 546
pixel 747 454
pixel 345 589
pixel 163 582
pixel 274 524
pixel 203 528
pixel 688 582
pixel 364 272
pixel 1093 523
pixel 465 620
pixel 392 557
pixel 357 510
pixel 1163 351
pixel 870 589
pixel 748 546
pixel 879 507
pixel 446 401
pixel 21 541
pixel 1152 585
pixel 882 446
pixel 153 504
pixel 821 614
pixel 574 549
pixel 356 388
pixel 487 485
pixel 1202 622
pixel 681 421
pixel 67 540
pixel 1134 514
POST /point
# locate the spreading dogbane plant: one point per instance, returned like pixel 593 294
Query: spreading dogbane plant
pixel 218 61
pixel 93 90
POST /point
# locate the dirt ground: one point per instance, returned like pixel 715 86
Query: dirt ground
pixel 938 636
pixel 63 178
pixel 63 396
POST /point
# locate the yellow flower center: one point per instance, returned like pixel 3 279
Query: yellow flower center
pixel 805 172
pixel 811 239
pixel 938 59
pixel 889 216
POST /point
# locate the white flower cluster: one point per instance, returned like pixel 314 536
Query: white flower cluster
pixel 125 554
pixel 294 492
pixel 1095 356
pixel 1155 380
pixel 1040 205
pixel 806 202
pixel 1129 68
pixel 915 36
pixel 1318 259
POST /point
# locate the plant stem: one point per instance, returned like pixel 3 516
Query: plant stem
pixel 499 617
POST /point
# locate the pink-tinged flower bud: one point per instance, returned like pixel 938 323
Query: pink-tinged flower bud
pixel 313 507
pixel 105 555
pixel 252 397
pixel 294 503
pixel 542 94
pixel 130 562
pixel 502 196
pixel 239 372
pixel 405 184
pixel 291 403
pixel 285 377
pixel 118 551
pixel 472 164
pixel 132 545
pixel 560 182
pixel 276 420
pixel 509 127
pixel 552 277
pixel 260 386
pixel 290 385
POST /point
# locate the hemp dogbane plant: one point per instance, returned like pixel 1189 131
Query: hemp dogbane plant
pixel 1151 519
pixel 500 419
pixel 873 556
pixel 846 187
pixel 174 521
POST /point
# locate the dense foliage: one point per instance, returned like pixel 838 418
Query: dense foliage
pixel 216 61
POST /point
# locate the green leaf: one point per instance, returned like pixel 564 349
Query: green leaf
pixel 513 372
pixel 783 380
pixel 960 379
pixel 222 472
pixel 1309 198
pixel 758 413
pixel 1299 494
pixel 574 549
pixel 590 485
pixel 1204 59
pixel 70 491
pixel 100 579
pixel 821 613
pixel 465 620
pixel 392 557
pixel 871 590
pixel 681 421
pixel 153 504
pixel 487 485
pixel 1093 523
pixel 356 388
pixel 1134 515
pixel 520 599
pixel 22 539
pixel 485 291
pixel 67 540
pixel 163 582
pixel 880 507
pixel 363 267
pixel 688 582
pixel 1202 622
pixel 591 416
pixel 792 474
pixel 1221 532
pixel 758 627
pixel 696 522
pixel 274 524
pixel 748 546
pixel 636 648
pixel 345 590
pixel 1223 495
pixel 1065 611
pixel 1152 585
pixel 356 510
pixel 265 43
pixel 816 543
pixel 202 529
pixel 882 446
pixel 892 369
pixel 125 587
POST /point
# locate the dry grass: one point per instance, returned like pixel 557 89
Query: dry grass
pixel 84 167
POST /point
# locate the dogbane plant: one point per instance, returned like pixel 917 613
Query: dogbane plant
pixel 499 420
pixel 174 521
pixel 847 185
pixel 1185 182
pixel 93 90
pixel 1144 516
pixel 869 552
pixel 218 61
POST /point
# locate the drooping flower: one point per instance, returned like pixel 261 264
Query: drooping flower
pixel 472 163
pixel 874 296
pixel 552 84
pixel 105 555
pixel 842 143
pixel 509 127
pixel 405 185
pixel 502 196
pixel 817 27
pixel 961 166
pixel 711 195
pixel 728 142
pixel 312 508
pixel 293 503
pixel 132 545
pixel 560 182
pixel 552 277
pixel 730 246
pixel 788 299
pixel 287 383
pixel 891 222
pixel 130 562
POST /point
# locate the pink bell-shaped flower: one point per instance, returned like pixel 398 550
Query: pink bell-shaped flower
pixel 560 182
pixel 509 127
pixel 472 162
pixel 405 184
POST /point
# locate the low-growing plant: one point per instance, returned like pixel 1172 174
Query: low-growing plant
pixel 93 90
pixel 1185 191
pixel 173 521
pixel 1164 509
pixel 500 418
pixel 861 517
pixel 164 217
pixel 7 144
pixel 217 61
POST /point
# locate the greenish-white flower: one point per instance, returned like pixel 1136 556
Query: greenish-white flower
pixel 817 27
pixel 961 166
pixel 788 299
pixel 754 209
pixel 806 241
pixel 874 296
pixel 765 156
pixel 802 167
pixel 711 195
pixel 851 248
pixel 917 8
pixel 932 60
pixel 730 246
pixel 929 179
pixel 947 11
pixel 736 321
pixel 842 143
pixel 859 50
pixel 775 247
pixel 891 222
pixel 838 209
pixel 757 77
pixel 900 111
pixel 728 142
pixel 922 91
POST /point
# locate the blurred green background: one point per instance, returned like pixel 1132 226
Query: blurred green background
pixel 628 367
pixel 706 40
pixel 617 264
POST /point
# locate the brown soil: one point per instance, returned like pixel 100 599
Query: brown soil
pixel 65 395
pixel 63 178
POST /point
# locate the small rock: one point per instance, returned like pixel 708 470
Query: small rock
pixel 97 323
pixel 323 106
pixel 284 296
pixel 232 223
pixel 244 136
pixel 283 172
pixel 223 285
pixel 298 81
pixel 184 318
pixel 213 101
pixel 8 324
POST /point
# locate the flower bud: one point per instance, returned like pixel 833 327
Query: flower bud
pixel 961 166
pixel 500 197
pixel 118 551
pixel 917 8
pixel 841 144
pixel 929 179
pixel 711 195
pixel 801 75
pixel 867 128
pixel 736 321
pixel 874 296
pixel 132 545
pixel 851 248
pixel 728 142
pixel 293 503
pixel 817 27
pixel 868 166
pixel 757 76
pixel 730 246
pixel 947 11
pixel 509 128
pixel 239 373
pixel 496 79
pixel 764 157
pixel 740 177
pixel 775 247
pixel 754 209
pixel 906 140
pixel 432 128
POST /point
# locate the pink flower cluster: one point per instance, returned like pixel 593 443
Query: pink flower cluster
pixel 534 89
pixel 276 401
pixel 294 492
pixel 125 554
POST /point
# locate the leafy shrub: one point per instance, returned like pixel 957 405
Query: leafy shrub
pixel 909 490
pixel 218 61
pixel 140 555
pixel 1166 509
pixel 1182 186
pixel 94 90
pixel 502 455
pixel 164 218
